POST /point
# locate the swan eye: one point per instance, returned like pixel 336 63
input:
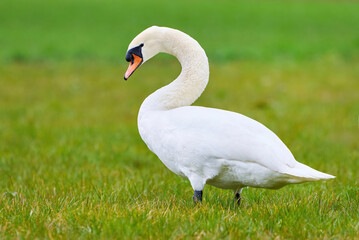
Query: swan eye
pixel 136 51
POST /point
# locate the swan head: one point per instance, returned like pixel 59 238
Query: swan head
pixel 143 47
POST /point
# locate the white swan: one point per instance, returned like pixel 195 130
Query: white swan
pixel 206 145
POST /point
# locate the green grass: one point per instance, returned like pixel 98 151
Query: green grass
pixel 72 164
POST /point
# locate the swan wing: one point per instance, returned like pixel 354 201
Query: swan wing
pixel 215 133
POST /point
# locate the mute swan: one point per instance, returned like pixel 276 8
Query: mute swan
pixel 206 145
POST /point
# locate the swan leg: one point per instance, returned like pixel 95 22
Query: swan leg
pixel 197 196
pixel 237 196
pixel 197 183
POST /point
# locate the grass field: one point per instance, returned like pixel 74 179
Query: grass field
pixel 72 165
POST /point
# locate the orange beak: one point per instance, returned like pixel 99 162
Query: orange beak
pixel 134 64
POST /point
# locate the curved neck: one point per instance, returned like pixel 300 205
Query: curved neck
pixel 191 82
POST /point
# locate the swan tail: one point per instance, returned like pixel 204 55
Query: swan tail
pixel 303 173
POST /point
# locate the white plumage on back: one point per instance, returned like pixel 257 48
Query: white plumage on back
pixel 206 145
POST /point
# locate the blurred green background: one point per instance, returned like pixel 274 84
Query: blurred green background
pixel 228 30
pixel 72 165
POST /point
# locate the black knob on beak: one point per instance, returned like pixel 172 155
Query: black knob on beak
pixel 129 57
